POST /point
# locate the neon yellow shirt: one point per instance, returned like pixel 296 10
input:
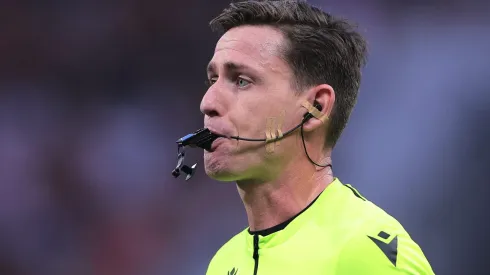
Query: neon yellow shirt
pixel 339 233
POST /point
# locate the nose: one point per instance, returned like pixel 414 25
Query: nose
pixel 210 103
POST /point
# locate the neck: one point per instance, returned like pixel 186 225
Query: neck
pixel 270 203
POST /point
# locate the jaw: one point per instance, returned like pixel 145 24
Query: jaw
pixel 248 162
pixel 227 167
pixel 217 166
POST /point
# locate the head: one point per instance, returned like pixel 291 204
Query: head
pixel 272 56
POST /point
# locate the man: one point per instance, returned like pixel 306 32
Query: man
pixel 274 61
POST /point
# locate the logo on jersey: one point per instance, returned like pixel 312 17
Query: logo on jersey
pixel 388 245
pixel 233 271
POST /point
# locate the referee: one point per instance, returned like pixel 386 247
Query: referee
pixel 277 64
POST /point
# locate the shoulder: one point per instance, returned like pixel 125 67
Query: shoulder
pixel 228 251
pixel 380 245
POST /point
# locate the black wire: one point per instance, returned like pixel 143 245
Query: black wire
pixel 306 152
pixel 263 139
pixel 307 116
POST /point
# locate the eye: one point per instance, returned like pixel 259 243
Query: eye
pixel 242 83
pixel 210 82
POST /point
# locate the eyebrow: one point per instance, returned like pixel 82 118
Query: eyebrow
pixel 229 66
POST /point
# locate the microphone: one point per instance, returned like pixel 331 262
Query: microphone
pixel 204 138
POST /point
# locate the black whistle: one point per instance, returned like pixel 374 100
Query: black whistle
pixel 189 171
pixel 202 138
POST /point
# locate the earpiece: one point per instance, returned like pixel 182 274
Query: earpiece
pixel 318 106
pixel 309 115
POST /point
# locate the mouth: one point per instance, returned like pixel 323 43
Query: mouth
pixel 219 138
pixel 215 144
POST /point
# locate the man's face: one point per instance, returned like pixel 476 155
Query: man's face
pixel 250 82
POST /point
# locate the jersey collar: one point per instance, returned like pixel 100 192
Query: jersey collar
pixel 280 233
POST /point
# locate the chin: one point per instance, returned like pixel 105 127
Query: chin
pixel 220 169
pixel 224 175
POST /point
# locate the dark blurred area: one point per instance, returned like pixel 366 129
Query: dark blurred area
pixel 93 95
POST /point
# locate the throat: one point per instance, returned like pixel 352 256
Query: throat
pixel 281 225
pixel 270 213
pixel 273 203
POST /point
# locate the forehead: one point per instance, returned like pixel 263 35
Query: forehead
pixel 258 47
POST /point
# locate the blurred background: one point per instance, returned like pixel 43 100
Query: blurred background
pixel 93 95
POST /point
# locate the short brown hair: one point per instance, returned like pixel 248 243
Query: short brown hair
pixel 320 49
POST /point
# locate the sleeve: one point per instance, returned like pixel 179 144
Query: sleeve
pixel 383 253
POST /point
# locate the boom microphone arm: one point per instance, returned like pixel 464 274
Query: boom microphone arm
pixel 204 138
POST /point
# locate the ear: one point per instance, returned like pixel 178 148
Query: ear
pixel 323 98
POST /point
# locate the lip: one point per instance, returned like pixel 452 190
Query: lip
pixel 222 137
pixel 216 143
pixel 218 133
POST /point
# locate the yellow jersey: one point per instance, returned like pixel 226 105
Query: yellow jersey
pixel 340 233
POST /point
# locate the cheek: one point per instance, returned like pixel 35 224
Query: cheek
pixel 249 115
pixel 251 111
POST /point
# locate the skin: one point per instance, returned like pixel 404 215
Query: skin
pixel 249 82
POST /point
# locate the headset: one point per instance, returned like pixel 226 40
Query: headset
pixel 203 138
